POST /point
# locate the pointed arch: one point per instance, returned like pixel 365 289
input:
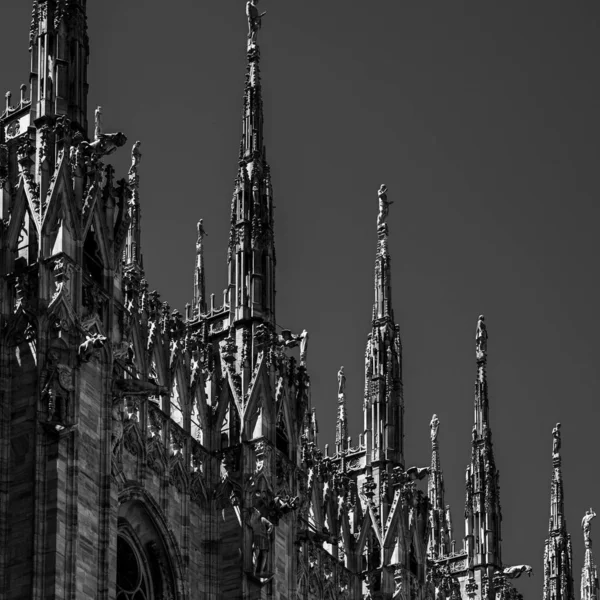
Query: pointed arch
pixel 137 508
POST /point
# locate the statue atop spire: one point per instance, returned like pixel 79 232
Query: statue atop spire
pixel 586 526
pixel 384 206
pixel 254 21
pixel 481 337
pixel 434 425
pixel 556 442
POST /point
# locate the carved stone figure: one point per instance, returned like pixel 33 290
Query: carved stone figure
pixel 417 473
pixel 136 157
pixel 341 381
pixel 262 529
pixel 201 232
pixel 117 424
pixel 92 342
pixel 384 205
pixel 106 144
pixel 98 124
pixel 434 425
pixel 254 21
pixel 481 338
pixel 303 346
pixel 586 525
pixel 556 442
pixel 517 571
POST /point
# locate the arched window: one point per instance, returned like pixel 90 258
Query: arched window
pixel 133 582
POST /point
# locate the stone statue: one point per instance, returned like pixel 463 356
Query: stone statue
pixel 201 232
pixel 434 425
pixel 481 337
pixel 106 144
pixel 254 21
pixel 261 541
pixel 341 381
pixel 556 442
pixel 384 205
pixel 136 156
pixel 417 473
pixel 303 346
pixel 92 342
pixel 517 571
pixel 586 525
pixel 117 424
pixel 98 125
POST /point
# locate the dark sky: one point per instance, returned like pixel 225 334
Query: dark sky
pixel 482 119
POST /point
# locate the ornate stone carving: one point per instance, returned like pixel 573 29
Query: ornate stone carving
pixel 384 205
pixel 90 347
pixel 341 382
pixel 481 337
pixel 556 441
pixel 262 529
pixel 517 571
pixel 586 526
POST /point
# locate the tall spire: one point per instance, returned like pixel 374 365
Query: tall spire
pixel 589 573
pixel 251 256
pixel 558 553
pixel 440 530
pixel 133 247
pixel 384 404
pixel 341 428
pixel 59 48
pixel 483 515
pixel 199 279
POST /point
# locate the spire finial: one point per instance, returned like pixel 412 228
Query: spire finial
pixel 254 21
pixel 341 433
pixel 586 526
pixel 556 441
pixel 384 206
pixel 199 278
pixel 98 123
pixel 481 337
pixel 434 426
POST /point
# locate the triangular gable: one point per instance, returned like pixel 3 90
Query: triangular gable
pixel 17 215
pixel 32 200
pixel 60 196
pixel 362 535
pixel 253 388
pixel 392 520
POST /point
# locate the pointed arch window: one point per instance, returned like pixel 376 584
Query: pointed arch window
pixel 133 581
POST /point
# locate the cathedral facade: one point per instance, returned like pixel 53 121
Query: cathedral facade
pixel 147 454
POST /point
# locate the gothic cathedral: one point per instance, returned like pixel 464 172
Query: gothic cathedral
pixel 147 454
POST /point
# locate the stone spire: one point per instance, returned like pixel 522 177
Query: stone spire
pixel 251 257
pixel 133 248
pixel 483 515
pixel 199 279
pixel 558 553
pixel 383 404
pixel 440 530
pixel 589 573
pixel 59 48
pixel 341 428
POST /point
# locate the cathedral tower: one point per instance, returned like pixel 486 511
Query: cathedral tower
pixel 59 48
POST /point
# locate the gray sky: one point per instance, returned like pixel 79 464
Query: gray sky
pixel 481 118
